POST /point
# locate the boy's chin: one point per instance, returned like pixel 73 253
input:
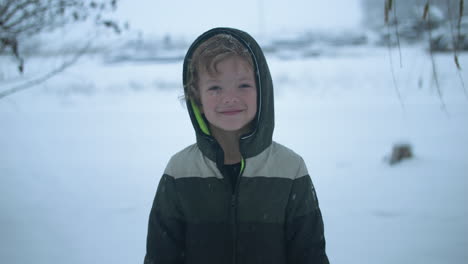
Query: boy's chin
pixel 232 129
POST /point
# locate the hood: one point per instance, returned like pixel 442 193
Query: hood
pixel 261 135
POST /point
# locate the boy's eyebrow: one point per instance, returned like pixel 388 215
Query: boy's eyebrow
pixel 211 80
pixel 241 78
pixel 246 78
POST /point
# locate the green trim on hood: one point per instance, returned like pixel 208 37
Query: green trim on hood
pixel 242 166
pixel 200 120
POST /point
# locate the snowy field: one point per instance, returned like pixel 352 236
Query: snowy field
pixel 81 155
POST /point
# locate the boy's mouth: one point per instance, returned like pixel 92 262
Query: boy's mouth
pixel 231 111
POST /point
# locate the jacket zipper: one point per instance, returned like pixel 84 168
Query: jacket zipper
pixel 234 228
pixel 234 203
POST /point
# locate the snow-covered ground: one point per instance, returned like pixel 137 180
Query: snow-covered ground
pixel 81 155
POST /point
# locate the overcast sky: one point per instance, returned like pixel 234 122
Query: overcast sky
pixel 255 16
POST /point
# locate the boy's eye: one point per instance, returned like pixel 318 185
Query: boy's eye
pixel 214 88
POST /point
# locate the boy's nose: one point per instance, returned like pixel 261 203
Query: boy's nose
pixel 230 99
pixel 230 96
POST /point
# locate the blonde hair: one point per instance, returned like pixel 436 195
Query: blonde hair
pixel 206 58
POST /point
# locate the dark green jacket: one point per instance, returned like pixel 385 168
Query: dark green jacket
pixel 271 216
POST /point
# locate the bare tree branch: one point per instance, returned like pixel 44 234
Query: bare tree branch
pixel 21 19
pixel 45 13
pixel 431 52
pixel 39 11
pixel 397 33
pixel 395 83
pixel 426 10
pixel 456 40
pixel 388 7
pixel 18 8
pixel 4 8
pixel 47 76
pixel 460 15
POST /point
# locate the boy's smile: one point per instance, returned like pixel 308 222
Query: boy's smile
pixel 229 96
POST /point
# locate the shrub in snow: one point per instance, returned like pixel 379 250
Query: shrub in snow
pixel 400 152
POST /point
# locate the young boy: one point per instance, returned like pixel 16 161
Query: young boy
pixel 235 196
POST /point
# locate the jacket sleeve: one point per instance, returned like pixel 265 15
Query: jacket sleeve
pixel 304 225
pixel 166 229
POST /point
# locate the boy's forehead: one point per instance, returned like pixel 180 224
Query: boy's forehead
pixel 212 64
pixel 237 65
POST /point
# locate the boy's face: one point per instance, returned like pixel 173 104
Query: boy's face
pixel 229 97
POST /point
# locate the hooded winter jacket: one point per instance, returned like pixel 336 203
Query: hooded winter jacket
pixel 271 216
